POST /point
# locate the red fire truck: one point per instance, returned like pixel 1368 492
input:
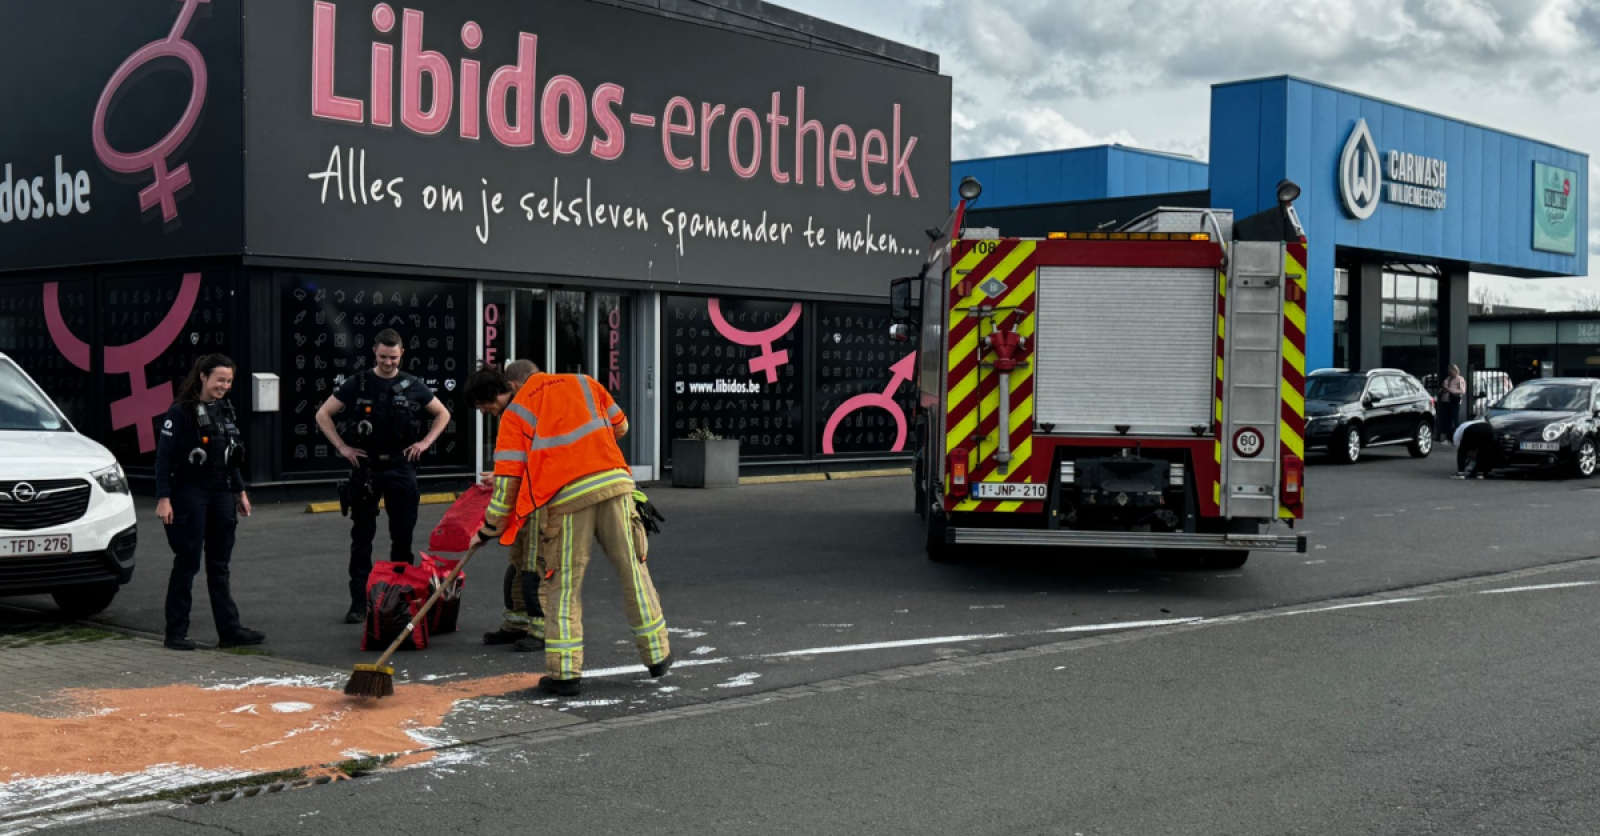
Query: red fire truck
pixel 1135 388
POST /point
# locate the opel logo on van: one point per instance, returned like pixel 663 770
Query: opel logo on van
pixel 23 492
pixel 1360 173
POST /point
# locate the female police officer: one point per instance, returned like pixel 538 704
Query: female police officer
pixel 201 491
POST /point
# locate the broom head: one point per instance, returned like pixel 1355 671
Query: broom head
pixel 371 681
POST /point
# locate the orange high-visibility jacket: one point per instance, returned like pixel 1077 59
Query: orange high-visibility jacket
pixel 558 428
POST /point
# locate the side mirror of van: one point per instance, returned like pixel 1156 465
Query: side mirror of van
pixel 904 304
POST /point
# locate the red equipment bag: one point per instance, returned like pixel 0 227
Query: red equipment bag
pixel 395 592
pixel 454 533
pixel 442 618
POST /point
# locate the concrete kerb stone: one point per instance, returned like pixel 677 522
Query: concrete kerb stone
pixel 828 476
pixel 425 499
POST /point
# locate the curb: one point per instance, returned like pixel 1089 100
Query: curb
pixel 425 499
pixel 831 476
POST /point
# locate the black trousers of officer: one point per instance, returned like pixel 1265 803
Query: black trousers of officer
pixel 396 484
pixel 203 523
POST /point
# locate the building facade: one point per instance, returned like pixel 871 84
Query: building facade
pixel 1399 206
pixel 701 207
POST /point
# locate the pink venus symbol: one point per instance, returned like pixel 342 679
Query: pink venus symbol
pixel 164 191
pixel 145 402
pixel 769 360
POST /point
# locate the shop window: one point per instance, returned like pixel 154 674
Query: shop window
pixel 741 376
pixel 26 339
pixel 572 331
pixel 854 358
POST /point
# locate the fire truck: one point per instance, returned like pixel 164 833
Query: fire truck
pixel 1140 387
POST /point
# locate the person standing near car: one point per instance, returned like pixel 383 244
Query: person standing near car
pixel 200 493
pixel 1451 395
pixel 386 429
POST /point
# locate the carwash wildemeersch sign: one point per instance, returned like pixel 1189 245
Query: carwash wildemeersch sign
pixel 577 138
pixel 1555 209
pixel 1412 179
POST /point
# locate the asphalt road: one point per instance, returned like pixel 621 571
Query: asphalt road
pixel 1059 701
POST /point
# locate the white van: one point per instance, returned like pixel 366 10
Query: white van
pixel 67 524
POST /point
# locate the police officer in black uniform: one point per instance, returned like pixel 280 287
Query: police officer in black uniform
pixel 386 441
pixel 200 492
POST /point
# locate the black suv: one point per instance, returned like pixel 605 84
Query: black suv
pixel 1347 411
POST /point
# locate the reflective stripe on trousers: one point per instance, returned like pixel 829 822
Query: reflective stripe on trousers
pixel 565 542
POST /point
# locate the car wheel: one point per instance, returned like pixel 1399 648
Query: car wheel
pixel 84 600
pixel 1348 449
pixel 1584 467
pixel 1422 440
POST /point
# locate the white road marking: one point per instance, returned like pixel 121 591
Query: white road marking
pixel 1383 603
pixel 1121 625
pixel 851 648
pixel 1540 586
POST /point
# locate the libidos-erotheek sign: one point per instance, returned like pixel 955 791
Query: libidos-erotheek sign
pixel 573 138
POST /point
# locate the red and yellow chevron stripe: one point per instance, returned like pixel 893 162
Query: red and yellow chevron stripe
pixel 1216 417
pixel 1292 423
pixel 974 396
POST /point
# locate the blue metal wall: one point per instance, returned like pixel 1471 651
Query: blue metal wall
pixel 1096 173
pixel 1268 129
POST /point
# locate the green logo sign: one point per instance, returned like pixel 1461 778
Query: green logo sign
pixel 1555 209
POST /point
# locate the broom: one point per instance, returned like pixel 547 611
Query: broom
pixel 377 679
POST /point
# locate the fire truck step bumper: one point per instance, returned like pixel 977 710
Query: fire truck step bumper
pixel 1288 544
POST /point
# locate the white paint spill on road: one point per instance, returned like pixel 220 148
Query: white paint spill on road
pixel 678 663
pixel 686 632
pixel 331 682
pixel 743 680
pixel 1315 562
pixel 291 707
pixel 245 709
pixel 1539 587
pixel 33 796
pixel 435 677
pixel 987 607
pixel 590 703
pixel 737 623
pixel 701 650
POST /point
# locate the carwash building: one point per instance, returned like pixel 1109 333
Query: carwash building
pixel 1399 206
pixel 702 208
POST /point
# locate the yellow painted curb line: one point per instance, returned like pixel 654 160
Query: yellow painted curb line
pixel 786 477
pixel 425 499
pixel 869 474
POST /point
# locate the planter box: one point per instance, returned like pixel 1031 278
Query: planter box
pixel 705 464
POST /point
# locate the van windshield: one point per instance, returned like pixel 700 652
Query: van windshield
pixel 23 407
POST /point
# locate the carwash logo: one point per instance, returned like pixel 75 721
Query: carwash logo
pixel 165 191
pixel 1360 173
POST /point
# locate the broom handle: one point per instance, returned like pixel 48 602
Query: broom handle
pixel 428 605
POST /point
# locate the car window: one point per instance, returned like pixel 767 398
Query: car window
pixel 1339 388
pixel 23 407
pixel 1379 388
pixel 1549 397
pixel 1410 387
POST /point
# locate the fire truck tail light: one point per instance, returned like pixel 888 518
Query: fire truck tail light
pixel 958 472
pixel 1294 481
pixel 1175 476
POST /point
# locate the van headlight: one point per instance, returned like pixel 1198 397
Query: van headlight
pixel 1553 432
pixel 111 479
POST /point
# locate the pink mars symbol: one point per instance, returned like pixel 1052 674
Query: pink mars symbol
pixel 769 360
pixel 883 400
pixel 144 402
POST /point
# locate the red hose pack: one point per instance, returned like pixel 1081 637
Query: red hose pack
pixel 454 533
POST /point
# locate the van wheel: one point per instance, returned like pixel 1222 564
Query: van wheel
pixel 1348 450
pixel 1585 464
pixel 84 600
pixel 1422 440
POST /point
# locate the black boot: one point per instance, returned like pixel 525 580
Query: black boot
pixel 242 637
pixel 561 687
pixel 659 669
pixel 178 643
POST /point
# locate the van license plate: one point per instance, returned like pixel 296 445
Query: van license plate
pixel 25 546
pixel 1009 490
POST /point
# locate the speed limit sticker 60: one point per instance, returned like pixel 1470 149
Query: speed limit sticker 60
pixel 1248 443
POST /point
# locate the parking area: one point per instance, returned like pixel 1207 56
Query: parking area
pixel 766 586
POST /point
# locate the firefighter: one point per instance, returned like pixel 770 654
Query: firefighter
pixel 200 494
pixel 557 451
pixel 522 626
pixel 387 428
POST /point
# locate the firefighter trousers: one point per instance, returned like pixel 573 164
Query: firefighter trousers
pixel 564 543
pixel 524 613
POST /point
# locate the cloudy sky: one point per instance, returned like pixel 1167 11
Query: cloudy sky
pixel 1033 75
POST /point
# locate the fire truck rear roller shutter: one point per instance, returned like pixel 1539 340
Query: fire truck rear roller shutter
pixel 1126 346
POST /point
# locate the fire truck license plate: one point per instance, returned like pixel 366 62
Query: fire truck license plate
pixel 23 546
pixel 1009 490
